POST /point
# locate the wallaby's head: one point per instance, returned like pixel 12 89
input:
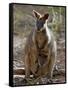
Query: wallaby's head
pixel 40 19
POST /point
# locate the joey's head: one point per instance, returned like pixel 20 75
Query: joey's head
pixel 40 20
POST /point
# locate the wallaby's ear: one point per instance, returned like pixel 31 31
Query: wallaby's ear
pixel 45 16
pixel 36 14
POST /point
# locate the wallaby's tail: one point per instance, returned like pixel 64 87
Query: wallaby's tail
pixel 20 71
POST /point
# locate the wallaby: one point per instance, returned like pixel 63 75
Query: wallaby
pixel 40 49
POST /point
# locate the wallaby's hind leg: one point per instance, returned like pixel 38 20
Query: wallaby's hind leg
pixel 51 68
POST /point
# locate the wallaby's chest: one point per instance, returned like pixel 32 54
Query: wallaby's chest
pixel 41 39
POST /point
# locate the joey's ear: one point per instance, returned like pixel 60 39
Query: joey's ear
pixel 36 14
pixel 45 16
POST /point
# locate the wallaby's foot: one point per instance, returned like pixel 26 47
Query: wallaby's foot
pixel 30 81
pixel 24 81
pixel 49 81
pixel 33 80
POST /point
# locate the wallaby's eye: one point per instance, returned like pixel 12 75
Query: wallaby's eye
pixel 40 24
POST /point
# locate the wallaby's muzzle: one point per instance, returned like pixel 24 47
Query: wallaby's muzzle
pixel 40 24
